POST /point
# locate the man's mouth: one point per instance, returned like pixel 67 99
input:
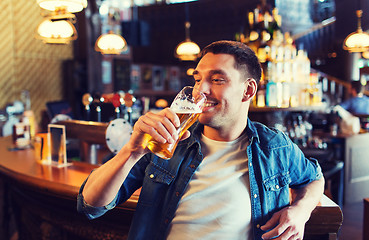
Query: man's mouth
pixel 208 105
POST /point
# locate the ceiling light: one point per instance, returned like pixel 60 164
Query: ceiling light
pixel 57 30
pixel 190 71
pixel 110 43
pixel 366 54
pixel 187 50
pixel 69 5
pixel 357 41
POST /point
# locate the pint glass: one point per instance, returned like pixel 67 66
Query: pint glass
pixel 187 105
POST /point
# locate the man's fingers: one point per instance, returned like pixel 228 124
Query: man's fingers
pixel 159 128
pixel 162 126
pixel 275 232
pixel 295 237
pixel 185 135
pixel 144 128
pixel 169 113
pixel 290 224
pixel 273 221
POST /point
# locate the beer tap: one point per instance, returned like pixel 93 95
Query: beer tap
pixel 98 111
pixel 129 99
pixel 86 101
pixel 115 100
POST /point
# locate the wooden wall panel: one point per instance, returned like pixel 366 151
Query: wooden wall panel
pixel 26 63
pixel 6 52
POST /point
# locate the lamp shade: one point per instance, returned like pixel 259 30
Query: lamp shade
pixel 60 32
pixel 187 51
pixel 68 5
pixel 110 43
pixel 357 41
pixel 366 54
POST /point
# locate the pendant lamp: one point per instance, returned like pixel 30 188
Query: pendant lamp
pixel 57 29
pixel 366 54
pixel 357 41
pixel 110 43
pixel 187 50
pixel 69 5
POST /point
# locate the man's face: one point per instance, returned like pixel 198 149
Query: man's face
pixel 224 87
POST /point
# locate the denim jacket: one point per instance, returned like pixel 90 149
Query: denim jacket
pixel 275 165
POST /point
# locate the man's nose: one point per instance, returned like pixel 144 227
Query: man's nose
pixel 204 87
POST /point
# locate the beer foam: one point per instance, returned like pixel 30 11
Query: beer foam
pixel 185 107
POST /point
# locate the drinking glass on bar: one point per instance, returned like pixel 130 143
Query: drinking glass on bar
pixel 187 105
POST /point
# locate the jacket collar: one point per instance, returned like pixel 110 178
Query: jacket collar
pixel 251 131
pixel 172 166
pixel 197 128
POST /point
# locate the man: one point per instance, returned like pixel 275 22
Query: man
pixel 229 177
pixel 358 104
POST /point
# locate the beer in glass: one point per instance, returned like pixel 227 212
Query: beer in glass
pixel 187 105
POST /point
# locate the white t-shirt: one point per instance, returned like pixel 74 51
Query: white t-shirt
pixel 216 203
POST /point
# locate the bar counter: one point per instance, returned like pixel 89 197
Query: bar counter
pixel 42 200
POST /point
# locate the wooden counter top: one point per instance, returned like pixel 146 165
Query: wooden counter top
pixel 22 166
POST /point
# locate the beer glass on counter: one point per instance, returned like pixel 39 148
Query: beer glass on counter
pixel 187 105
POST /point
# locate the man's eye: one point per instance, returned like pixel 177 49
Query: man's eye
pixel 217 80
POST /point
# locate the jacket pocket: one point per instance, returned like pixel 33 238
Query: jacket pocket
pixel 277 192
pixel 155 186
pixel 158 174
pixel 277 182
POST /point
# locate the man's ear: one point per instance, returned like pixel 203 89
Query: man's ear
pixel 251 87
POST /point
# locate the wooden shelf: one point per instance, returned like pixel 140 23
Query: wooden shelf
pixel 153 93
pixel 289 109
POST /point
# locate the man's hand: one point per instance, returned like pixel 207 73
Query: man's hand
pixel 288 223
pixel 161 126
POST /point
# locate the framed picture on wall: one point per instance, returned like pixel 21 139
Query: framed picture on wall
pixel 106 72
pixel 146 77
pixel 122 74
pixel 174 78
pixel 135 76
pixel 158 78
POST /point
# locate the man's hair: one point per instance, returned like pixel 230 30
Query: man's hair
pixel 245 58
pixel 357 86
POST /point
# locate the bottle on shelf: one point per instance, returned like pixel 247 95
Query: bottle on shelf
pixel 28 117
pixel 286 71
